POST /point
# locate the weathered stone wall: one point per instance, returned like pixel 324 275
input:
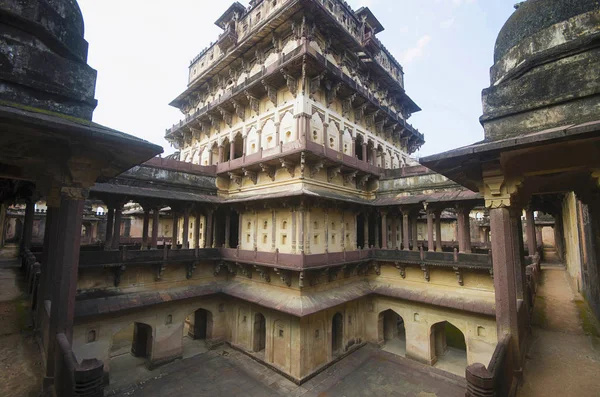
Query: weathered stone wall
pixel 572 239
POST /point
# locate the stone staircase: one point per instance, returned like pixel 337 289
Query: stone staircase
pixel 550 255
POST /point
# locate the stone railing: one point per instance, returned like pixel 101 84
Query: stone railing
pixel 141 257
pixel 73 379
pixel 497 379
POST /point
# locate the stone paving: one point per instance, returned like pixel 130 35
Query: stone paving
pixel 21 367
pixel 564 359
pixel 367 372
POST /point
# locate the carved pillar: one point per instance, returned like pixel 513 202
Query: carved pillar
pixel 301 211
pixel 145 229
pixel 414 231
pixel 185 241
pixel 308 226
pixel 155 225
pixel 366 230
pixel 227 227
pixel 197 229
pixel 394 244
pixel 521 279
pixel 231 150
pixel 245 142
pixel 353 152
pixel 531 235
pixel 294 244
pixel 374 156
pixel 438 231
pixel 384 230
pixel 110 219
pixel 116 240
pixel 221 153
pixel 430 215
pixel 240 228
pixel 259 146
pixel 277 133
pixel 405 230
pixel 66 264
pixel 364 152
pixel 27 234
pixel 326 230
pixel 505 260
pixel 464 229
pixel 175 233
pixel 273 230
pixel 208 233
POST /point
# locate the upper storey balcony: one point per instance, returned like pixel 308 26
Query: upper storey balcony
pixel 244 28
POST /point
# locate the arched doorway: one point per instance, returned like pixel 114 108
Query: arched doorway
pixel 337 334
pixel 392 334
pixel 197 329
pixel 358 147
pixel 130 352
pixel 448 348
pixel 260 333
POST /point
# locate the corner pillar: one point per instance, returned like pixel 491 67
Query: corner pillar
pixel 405 230
pixel 531 233
pixel 155 225
pixel 430 215
pixel 145 229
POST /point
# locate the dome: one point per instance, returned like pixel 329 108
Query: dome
pixel 533 16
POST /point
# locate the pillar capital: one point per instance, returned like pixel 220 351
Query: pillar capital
pixel 499 190
pixel 74 193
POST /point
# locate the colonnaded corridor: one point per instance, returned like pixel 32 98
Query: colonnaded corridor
pixel 564 358
pixel 20 359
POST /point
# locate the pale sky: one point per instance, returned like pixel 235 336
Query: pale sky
pixel 142 50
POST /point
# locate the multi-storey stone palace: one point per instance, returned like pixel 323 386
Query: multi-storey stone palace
pixel 292 223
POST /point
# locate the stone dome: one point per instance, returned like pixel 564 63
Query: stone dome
pixel 533 16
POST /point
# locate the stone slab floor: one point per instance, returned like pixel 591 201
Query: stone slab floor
pixel 564 358
pixel 21 367
pixel 367 372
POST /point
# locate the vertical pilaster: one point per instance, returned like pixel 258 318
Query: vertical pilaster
pixel 438 231
pixel 110 220
pixel 366 230
pixel 175 231
pixel 430 215
pixel 301 214
pixel 531 235
pixel 197 229
pixel 28 224
pixel 326 230
pixel 255 234
pixel 405 230
pixel 116 240
pixel 155 224
pixel 208 233
pixel 294 232
pixel 414 231
pixel 185 241
pixel 364 152
pixel 48 264
pixel 145 229
pixel 273 230
pixel 384 230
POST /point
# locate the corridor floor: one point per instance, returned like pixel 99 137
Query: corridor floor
pixel 564 359
pixel 20 360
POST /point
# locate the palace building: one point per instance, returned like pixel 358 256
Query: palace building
pixel 292 224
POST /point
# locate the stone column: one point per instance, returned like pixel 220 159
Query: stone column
pixel 464 229
pixel 505 260
pixel 185 241
pixel 438 231
pixel 405 230
pixel 66 263
pixel 301 211
pixel 366 231
pixel 110 220
pixel 384 231
pixel 273 230
pixel 364 152
pixel 221 153
pixel 294 243
pixel 414 231
pixel 430 214
pixel 49 253
pixel 521 277
pixel 374 156
pixel 155 224
pixel 394 241
pixel 116 240
pixel 197 229
pixel 145 229
pixel 227 227
pixel 531 237
pixel 175 232
pixel 208 235
pixel 28 225
pixel 231 150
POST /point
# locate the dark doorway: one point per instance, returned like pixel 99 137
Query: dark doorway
pixel 142 340
pixel 234 230
pixel 358 147
pixel 337 334
pixel 199 324
pixel 260 333
pixel 360 231
pixel 392 334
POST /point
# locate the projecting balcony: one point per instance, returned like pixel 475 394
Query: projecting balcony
pixel 228 38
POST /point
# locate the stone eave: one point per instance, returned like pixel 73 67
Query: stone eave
pixel 294 302
pixel 159 193
pixel 462 165
pixel 237 6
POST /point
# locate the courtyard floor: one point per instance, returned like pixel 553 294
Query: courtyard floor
pixel 367 372
pixel 564 358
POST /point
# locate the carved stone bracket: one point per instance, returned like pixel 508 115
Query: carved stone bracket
pixel 263 272
pixel 301 280
pixel 459 275
pixel 314 170
pixel 240 109
pixel 315 83
pixel 271 92
pixel 332 172
pixel 159 270
pixel 285 276
pixel 402 270
pixel 251 174
pixel 350 177
pixel 254 102
pixel 362 269
pixel 426 272
pixel 244 270
pixel 347 104
pixel 289 166
pixel 292 82
pixel 377 268
pixel 227 116
pixel 190 270
pixel 359 112
pixel 218 267
pixel 362 181
pixel 267 169
pixel 236 178
pixel 214 122
pixel 332 93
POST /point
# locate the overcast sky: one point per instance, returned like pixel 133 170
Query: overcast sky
pixel 142 49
